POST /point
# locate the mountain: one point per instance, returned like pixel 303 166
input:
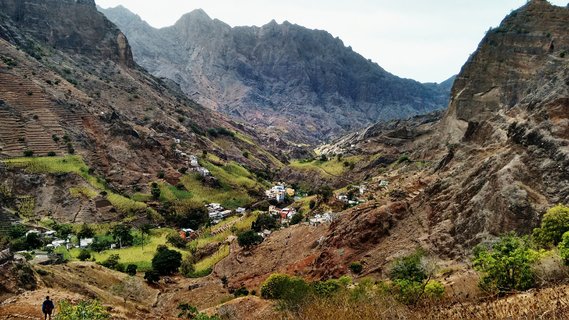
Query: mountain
pixel 493 163
pixel 69 87
pixel 304 83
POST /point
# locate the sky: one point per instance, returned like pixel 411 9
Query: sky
pixel 428 41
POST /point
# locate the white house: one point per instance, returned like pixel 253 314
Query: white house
pixel 204 172
pixel 240 210
pixel 84 243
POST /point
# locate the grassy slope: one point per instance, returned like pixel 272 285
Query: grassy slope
pixel 75 165
pixel 333 167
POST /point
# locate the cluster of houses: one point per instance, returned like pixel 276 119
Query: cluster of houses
pixel 192 161
pixel 352 198
pixel 217 213
pixel 284 215
pixel 279 193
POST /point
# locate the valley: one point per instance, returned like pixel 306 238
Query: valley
pixel 167 194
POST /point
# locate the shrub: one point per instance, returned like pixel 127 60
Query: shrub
pixel 327 288
pixel 296 219
pixel 434 290
pixel 112 261
pixel 241 292
pixel 564 248
pixel 155 191
pixel 28 153
pixel 188 311
pixel 292 291
pixel 176 240
pixel 553 225
pixel 152 276
pixel 356 267
pixel 506 265
pixel 408 268
pixel 83 310
pixel 265 221
pixel 131 269
pixel 85 232
pixel 187 268
pixel 84 255
pixel 166 261
pixel 51 154
pixel 248 239
pixel 246 154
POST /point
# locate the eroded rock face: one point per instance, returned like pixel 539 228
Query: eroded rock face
pixel 70 25
pixel 302 82
pixel 499 156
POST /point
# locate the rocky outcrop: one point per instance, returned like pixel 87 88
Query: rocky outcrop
pixel 74 26
pixel 305 83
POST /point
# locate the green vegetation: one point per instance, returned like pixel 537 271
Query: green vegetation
pixel 91 310
pixel 553 225
pixel 75 165
pixel 166 261
pixel 205 265
pixel 188 311
pixel 332 167
pixel 410 276
pixel 506 265
pixel 564 248
pixel 249 239
pixel 356 267
pixel 87 192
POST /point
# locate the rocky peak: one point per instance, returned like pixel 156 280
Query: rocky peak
pixel 530 41
pixel 74 26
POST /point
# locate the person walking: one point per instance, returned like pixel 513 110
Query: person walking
pixel 47 308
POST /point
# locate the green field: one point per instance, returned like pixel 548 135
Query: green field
pixel 332 167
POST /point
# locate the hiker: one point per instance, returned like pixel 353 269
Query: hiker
pixel 47 308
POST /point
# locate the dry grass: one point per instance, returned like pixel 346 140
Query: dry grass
pixel 549 303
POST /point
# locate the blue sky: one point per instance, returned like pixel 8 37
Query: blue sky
pixel 424 40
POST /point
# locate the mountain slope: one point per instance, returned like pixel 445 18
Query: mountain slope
pixel 494 163
pixel 302 82
pixel 68 85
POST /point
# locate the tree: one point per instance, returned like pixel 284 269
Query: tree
pixel 166 261
pixel 506 265
pixel 17 231
pixel 189 214
pixel 99 244
pixel 155 191
pixel 131 269
pixel 121 233
pixel 33 241
pixel 326 192
pixel 112 262
pixel 152 276
pixel 63 230
pixel 85 232
pixel 145 230
pixel 84 255
pixel 265 221
pixel 554 224
pixel 248 239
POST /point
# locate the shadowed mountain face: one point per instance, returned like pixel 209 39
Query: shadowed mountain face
pixel 303 82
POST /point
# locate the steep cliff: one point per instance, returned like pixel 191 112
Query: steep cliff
pixel 302 82
pixel 494 163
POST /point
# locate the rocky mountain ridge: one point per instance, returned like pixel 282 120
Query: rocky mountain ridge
pixel 304 83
